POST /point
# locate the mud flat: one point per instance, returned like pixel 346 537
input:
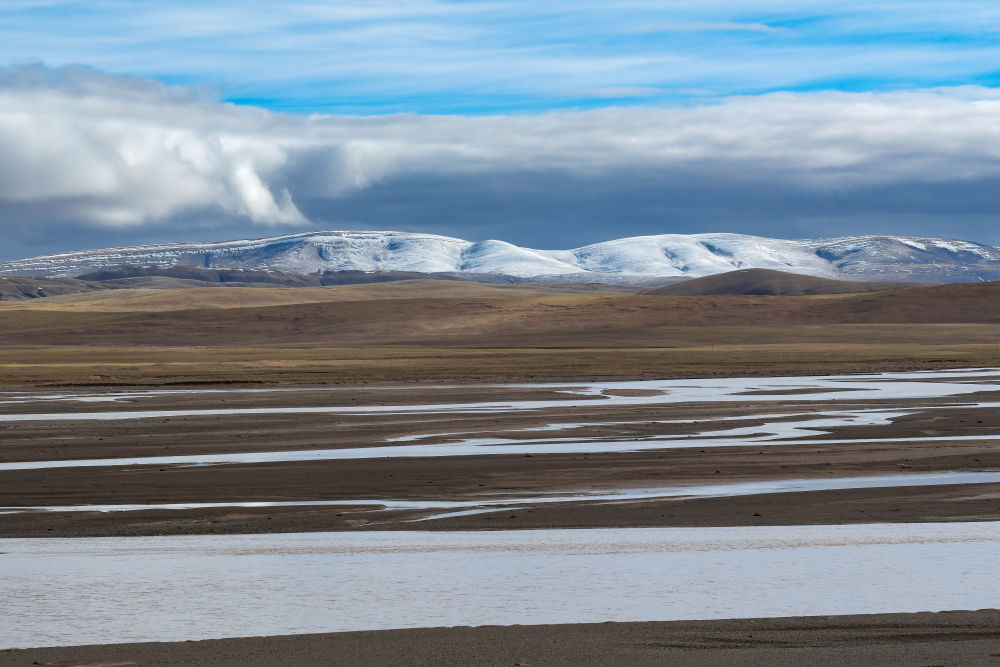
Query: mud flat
pixel 152 474
pixel 147 462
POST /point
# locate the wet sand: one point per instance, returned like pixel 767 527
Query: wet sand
pixel 926 422
pixel 496 476
pixel 945 434
pixel 917 504
pixel 952 638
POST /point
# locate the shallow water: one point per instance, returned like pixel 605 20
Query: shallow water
pixel 770 434
pixel 99 590
pixel 776 429
pixel 492 504
pixel 92 396
pixel 898 386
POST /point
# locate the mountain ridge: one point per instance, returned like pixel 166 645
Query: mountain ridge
pixel 630 259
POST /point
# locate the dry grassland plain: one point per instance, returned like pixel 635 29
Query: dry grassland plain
pixel 417 331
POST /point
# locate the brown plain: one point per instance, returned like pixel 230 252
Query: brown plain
pixel 449 330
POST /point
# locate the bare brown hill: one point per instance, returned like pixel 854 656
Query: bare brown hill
pixel 766 282
pixel 20 288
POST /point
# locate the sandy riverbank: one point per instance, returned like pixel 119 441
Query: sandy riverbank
pixel 952 638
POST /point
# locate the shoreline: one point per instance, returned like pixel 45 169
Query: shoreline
pixel 952 637
pixel 470 379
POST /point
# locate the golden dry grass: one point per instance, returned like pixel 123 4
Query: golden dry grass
pixel 417 331
pixel 386 364
pixel 161 300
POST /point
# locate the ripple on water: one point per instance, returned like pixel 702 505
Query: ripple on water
pixel 99 590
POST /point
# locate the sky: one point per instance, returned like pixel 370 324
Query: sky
pixel 549 125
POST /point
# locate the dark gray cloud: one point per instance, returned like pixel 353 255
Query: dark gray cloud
pixel 559 210
pixel 89 160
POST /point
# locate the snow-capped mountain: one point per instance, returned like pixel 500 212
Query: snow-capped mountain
pixel 640 257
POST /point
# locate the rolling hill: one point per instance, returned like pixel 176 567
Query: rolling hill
pixel 766 282
pixel 22 288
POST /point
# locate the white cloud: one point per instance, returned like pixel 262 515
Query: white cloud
pixel 458 56
pixel 122 152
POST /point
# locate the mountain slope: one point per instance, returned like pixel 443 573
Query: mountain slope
pixel 15 288
pixel 621 260
pixel 767 282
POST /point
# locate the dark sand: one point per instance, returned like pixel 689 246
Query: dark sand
pixel 907 504
pixel 947 638
pixel 476 477
pixel 952 638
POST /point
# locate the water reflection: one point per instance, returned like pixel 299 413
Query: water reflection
pixel 98 590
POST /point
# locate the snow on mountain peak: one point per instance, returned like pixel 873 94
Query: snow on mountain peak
pixel 659 256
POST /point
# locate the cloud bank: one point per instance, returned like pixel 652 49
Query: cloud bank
pixel 82 152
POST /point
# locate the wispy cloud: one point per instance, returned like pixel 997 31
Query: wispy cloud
pixel 444 56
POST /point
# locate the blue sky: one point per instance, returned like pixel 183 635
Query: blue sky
pixel 546 124
pixel 497 56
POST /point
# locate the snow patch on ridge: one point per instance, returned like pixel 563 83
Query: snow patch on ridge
pixel 659 256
